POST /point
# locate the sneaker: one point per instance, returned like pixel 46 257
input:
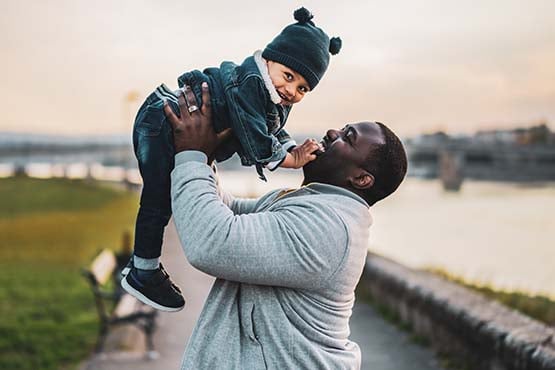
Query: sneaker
pixel 129 265
pixel 158 291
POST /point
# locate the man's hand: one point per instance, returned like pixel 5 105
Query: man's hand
pixel 193 129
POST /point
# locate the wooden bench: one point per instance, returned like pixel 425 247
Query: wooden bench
pixel 128 310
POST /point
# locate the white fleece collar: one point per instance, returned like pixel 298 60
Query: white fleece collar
pixel 263 68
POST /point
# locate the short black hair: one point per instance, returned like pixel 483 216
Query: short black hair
pixel 388 165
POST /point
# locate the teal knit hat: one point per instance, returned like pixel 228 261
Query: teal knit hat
pixel 303 47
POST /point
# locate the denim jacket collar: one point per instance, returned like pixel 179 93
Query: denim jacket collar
pixel 263 69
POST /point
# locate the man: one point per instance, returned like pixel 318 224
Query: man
pixel 286 264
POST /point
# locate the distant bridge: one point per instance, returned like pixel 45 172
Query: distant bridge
pixel 496 161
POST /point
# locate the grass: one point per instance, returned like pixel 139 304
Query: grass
pixel 50 229
pixel 27 195
pixel 539 307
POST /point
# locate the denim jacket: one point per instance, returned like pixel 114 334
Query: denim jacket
pixel 244 99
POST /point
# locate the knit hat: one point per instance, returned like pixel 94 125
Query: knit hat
pixel 303 47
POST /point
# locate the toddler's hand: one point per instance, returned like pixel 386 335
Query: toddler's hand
pixel 302 154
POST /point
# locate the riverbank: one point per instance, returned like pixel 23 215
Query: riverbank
pixel 467 328
pixel 539 307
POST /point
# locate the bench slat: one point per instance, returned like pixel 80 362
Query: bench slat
pixel 103 266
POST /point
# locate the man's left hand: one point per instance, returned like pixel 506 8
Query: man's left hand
pixel 193 130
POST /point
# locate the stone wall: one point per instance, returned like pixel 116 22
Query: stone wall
pixel 474 331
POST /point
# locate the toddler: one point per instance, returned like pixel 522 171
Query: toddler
pixel 254 100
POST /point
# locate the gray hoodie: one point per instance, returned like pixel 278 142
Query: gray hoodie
pixel 286 266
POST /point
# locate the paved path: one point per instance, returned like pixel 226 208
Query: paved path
pixel 383 346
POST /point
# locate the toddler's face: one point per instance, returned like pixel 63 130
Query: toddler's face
pixel 290 85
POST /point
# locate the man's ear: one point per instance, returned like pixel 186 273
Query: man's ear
pixel 362 180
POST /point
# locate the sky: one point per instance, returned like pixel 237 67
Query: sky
pixel 68 66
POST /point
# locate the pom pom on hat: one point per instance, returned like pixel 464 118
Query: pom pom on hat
pixel 302 15
pixel 335 45
pixel 303 47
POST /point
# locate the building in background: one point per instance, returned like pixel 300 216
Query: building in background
pixel 520 154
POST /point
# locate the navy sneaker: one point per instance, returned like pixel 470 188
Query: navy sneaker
pixel 129 266
pixel 158 291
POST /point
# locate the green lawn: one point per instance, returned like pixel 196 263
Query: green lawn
pixel 49 230
pixel 539 307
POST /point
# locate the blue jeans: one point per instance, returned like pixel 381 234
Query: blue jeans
pixel 153 146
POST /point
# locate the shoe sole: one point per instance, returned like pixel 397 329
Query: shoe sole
pixel 125 271
pixel 141 297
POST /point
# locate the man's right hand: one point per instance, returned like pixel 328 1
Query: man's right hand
pixel 193 130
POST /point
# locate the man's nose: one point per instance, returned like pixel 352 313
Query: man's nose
pixel 332 134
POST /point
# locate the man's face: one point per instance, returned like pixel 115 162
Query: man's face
pixel 346 151
pixel 290 85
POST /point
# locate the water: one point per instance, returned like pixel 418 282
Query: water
pixel 496 233
pixel 74 170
